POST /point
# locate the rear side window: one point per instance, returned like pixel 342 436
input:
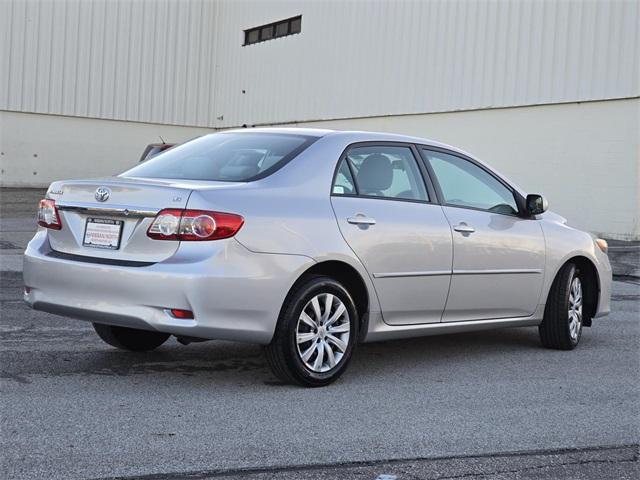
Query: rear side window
pixel 227 157
pixel 380 171
pixel 344 184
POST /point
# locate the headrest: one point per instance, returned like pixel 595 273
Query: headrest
pixel 375 174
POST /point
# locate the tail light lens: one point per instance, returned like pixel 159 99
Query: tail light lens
pixel 48 215
pixel 194 225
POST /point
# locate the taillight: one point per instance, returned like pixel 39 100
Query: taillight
pixel 166 225
pixel 48 214
pixel 194 225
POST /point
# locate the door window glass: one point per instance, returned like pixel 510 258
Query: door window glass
pixel 464 184
pixel 388 172
pixel 343 184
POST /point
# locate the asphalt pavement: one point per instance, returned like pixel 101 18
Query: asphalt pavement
pixel 490 405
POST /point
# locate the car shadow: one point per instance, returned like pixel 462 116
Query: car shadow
pixel 233 364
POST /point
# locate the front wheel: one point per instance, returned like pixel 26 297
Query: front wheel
pixel 315 335
pixel 561 327
pixel 130 338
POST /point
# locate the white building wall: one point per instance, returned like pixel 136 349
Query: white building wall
pixel 182 61
pixel 37 149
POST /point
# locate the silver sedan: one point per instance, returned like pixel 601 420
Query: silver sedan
pixel 309 242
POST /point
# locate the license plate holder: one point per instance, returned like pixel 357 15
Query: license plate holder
pixel 102 233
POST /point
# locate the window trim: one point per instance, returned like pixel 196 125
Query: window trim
pixel 441 200
pixel 424 174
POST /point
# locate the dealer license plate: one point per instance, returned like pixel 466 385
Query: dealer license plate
pixel 103 233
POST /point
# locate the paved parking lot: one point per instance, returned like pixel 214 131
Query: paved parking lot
pixel 439 407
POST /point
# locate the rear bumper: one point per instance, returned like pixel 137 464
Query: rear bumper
pixel 235 294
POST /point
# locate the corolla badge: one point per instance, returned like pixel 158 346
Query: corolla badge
pixel 102 194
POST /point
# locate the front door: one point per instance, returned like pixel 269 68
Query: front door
pixel 498 256
pixel 386 216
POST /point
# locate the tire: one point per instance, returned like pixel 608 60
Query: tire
pixel 130 338
pixel 289 360
pixel 560 329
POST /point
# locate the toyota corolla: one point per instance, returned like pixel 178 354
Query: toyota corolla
pixel 309 242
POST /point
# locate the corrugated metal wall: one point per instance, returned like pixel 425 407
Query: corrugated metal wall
pixel 182 61
pixel 131 60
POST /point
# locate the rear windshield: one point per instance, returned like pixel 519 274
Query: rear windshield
pixel 227 157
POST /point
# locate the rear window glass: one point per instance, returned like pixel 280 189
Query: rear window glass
pixel 227 157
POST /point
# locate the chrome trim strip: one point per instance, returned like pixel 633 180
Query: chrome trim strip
pixel 112 210
pixel 504 271
pixel 431 273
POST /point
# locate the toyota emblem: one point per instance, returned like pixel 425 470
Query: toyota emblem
pixel 102 194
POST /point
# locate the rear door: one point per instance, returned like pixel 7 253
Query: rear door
pixel 498 256
pixel 386 215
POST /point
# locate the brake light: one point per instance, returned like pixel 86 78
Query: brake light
pixel 194 225
pixel 48 216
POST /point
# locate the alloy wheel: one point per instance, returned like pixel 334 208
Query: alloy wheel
pixel 575 308
pixel 322 332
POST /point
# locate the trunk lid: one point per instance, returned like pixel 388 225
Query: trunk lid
pixel 95 212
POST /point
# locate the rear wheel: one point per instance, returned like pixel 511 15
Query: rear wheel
pixel 561 327
pixel 130 338
pixel 315 335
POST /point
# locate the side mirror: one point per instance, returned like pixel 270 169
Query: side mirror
pixel 536 204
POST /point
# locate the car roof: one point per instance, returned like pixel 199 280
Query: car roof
pixel 353 136
pixel 312 132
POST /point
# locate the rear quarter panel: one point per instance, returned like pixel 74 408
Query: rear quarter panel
pixel 290 211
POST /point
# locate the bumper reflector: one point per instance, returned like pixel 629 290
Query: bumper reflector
pixel 178 313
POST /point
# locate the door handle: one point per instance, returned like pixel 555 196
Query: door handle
pixel 361 219
pixel 464 228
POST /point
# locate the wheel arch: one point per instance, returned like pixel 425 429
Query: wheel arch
pixel 591 280
pixel 347 276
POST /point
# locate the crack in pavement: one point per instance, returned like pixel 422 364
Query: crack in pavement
pixel 300 470
pixel 525 469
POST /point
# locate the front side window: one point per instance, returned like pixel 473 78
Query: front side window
pixel 230 157
pixel 465 184
pixel 381 171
